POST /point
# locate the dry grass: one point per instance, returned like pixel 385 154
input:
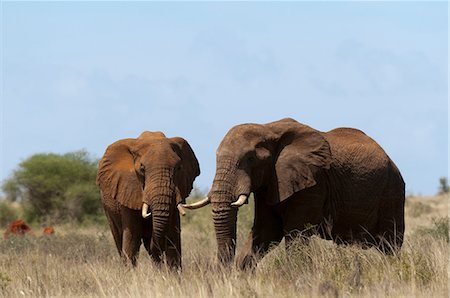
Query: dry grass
pixel 83 262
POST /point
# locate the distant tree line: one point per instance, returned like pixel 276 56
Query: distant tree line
pixel 56 188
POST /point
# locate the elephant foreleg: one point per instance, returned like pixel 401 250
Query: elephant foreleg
pixel 267 231
pixel 257 246
pixel 130 247
pixel 116 228
pixel 247 259
pixel 147 234
pixel 303 217
pixel 173 245
pixel 132 235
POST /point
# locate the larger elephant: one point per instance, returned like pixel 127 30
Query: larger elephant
pixel 340 184
pixel 143 182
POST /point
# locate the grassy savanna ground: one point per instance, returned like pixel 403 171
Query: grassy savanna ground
pixel 83 262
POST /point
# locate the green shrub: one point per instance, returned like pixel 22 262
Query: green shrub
pixel 55 187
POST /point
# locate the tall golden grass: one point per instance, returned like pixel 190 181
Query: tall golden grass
pixel 84 262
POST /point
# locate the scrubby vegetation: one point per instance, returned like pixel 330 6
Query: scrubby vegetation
pixel 443 185
pixel 55 188
pixel 84 262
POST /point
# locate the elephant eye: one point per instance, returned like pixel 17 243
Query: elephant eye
pixel 142 168
pixel 251 159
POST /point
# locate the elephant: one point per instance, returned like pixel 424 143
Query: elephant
pixel 340 185
pixel 143 182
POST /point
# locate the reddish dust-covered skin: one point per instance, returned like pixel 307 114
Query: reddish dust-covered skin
pixel 17 227
pixel 142 181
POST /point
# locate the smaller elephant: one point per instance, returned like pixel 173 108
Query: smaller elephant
pixel 143 182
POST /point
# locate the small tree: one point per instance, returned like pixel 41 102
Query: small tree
pixel 443 185
pixel 56 187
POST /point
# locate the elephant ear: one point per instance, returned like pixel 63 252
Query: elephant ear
pixel 189 168
pixel 301 153
pixel 117 178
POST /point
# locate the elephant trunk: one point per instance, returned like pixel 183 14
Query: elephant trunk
pixel 159 194
pixel 157 246
pixel 225 227
pixel 225 190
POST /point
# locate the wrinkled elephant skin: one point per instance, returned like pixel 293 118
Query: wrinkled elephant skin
pixel 338 184
pixel 153 173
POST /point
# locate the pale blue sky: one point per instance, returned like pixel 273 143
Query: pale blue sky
pixel 82 75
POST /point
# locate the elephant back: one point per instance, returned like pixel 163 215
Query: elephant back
pixel 356 154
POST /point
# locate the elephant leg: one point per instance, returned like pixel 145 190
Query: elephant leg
pixel 267 232
pixel 258 245
pixel 147 228
pixel 132 234
pixel 391 226
pixel 303 214
pixel 302 217
pixel 249 257
pixel 115 225
pixel 173 244
pixel 146 241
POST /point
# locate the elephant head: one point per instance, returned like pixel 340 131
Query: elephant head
pixel 273 161
pixel 151 173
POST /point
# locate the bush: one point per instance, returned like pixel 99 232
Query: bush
pixel 443 185
pixel 55 187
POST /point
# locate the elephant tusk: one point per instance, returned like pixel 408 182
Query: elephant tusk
pixel 240 201
pixel 181 210
pixel 198 204
pixel 145 213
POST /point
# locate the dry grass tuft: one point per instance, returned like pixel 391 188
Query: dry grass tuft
pixel 84 262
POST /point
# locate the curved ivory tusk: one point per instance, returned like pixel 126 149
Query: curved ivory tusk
pixel 198 204
pixel 181 210
pixel 145 213
pixel 240 201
